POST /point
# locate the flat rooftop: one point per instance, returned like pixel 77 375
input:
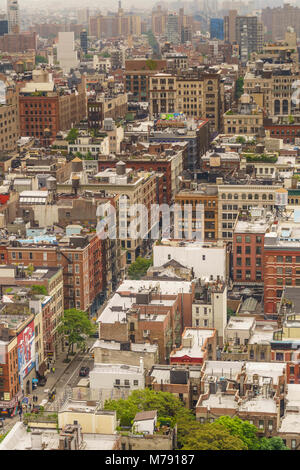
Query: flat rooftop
pixel 20 439
pixel 115 369
pixel 134 347
pixel 259 226
pixel 198 336
pixel 217 400
pixel 263 333
pixel 259 404
pixel 290 424
pixel 240 323
pixel 165 287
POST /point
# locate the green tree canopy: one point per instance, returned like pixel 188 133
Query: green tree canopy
pixel 166 404
pixel 239 89
pixel 248 434
pixel 39 290
pixel 76 327
pixel 72 135
pixel 273 443
pixel 39 59
pixel 225 433
pixel 212 436
pixel 139 268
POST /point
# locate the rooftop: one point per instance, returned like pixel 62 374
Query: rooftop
pixel 240 323
pixel 196 337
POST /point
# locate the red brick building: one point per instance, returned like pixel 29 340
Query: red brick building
pixel 80 257
pixel 281 268
pixel 248 251
pixel 287 132
pixel 18 42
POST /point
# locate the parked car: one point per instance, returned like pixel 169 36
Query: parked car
pixel 84 371
pixel 42 381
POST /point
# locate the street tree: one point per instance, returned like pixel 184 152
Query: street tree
pixel 139 268
pixel 76 327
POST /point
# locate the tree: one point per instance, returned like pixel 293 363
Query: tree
pixel 39 290
pixel 239 89
pixel 76 327
pixel 273 443
pixel 72 135
pixel 212 436
pixel 39 59
pixel 166 404
pixel 139 268
pixel 243 429
pixel 240 140
pixel 230 313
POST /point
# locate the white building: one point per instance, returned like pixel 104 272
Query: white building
pixel 207 261
pixel 66 53
pixel 86 144
pixel 116 380
pixel 145 422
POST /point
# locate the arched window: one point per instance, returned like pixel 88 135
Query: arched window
pixel 229 196
pixel 270 197
pixel 243 196
pixel 264 197
pixel 250 197
pixel 285 107
pixel 256 196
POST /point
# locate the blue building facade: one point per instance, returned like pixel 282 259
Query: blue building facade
pixel 217 28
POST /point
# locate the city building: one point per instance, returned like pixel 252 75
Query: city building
pixel 66 53
pixel 281 263
pixel 207 260
pixel 209 309
pixel 13 16
pixel 197 345
pixel 45 109
pixel 216 28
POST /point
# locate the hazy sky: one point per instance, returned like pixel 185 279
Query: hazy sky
pixel 82 3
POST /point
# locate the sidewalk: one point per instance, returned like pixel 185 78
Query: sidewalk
pixel 53 378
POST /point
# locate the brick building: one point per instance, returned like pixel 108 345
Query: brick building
pixel 248 250
pixel 45 110
pixel 18 42
pixel 208 197
pixel 281 264
pixel 197 345
pixel 137 74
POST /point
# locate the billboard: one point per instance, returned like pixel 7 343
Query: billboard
pixel 172 116
pixel 26 351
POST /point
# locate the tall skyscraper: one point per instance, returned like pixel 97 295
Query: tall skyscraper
pixel 66 53
pixel 229 26
pixel 248 36
pixel 13 16
pixel 217 28
pixel 84 41
pixel 172 28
